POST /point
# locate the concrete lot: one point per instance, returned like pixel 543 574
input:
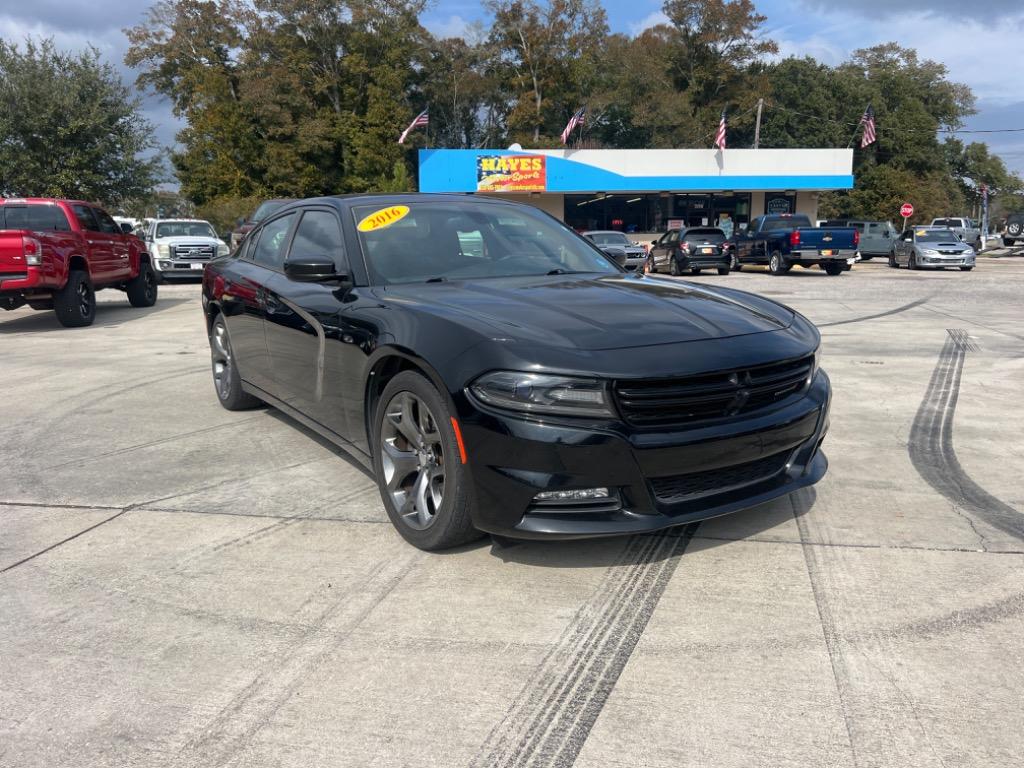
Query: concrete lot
pixel 184 586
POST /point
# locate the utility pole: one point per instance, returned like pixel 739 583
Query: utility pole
pixel 757 127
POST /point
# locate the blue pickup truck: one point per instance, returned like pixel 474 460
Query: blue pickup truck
pixel 783 240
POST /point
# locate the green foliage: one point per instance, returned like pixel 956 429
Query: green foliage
pixel 69 127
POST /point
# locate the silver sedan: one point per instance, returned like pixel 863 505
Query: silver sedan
pixel 931 248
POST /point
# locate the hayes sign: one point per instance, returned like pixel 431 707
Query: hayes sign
pixel 511 173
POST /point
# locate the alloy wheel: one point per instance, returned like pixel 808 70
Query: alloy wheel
pixel 220 349
pixel 84 298
pixel 412 458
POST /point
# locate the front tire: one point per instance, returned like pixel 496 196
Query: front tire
pixel 226 380
pixel 75 303
pixel 892 261
pixel 417 461
pixel 912 261
pixel 833 269
pixel 142 289
pixel 966 269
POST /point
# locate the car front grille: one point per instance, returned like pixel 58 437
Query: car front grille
pixel 195 252
pixel 679 488
pixel 663 402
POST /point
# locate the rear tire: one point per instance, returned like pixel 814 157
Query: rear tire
pixel 142 289
pixel 776 264
pixel 723 271
pixel 410 405
pixel 832 269
pixel 75 303
pixel 226 380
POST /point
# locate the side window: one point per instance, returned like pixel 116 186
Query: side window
pixel 318 234
pixel 85 217
pixel 106 223
pixel 672 236
pixel 269 249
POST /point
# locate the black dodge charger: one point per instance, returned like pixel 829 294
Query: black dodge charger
pixel 499 373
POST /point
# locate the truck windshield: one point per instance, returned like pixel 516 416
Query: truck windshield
pixel 184 229
pixel 787 224
pixel 442 241
pixel 33 217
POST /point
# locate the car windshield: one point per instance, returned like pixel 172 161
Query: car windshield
pixel 936 236
pixel 184 229
pixel 454 240
pixel 789 223
pixel 609 238
pixel 265 210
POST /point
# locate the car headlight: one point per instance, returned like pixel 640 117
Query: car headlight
pixel 164 250
pixel 540 393
pixel 929 252
pixel 222 249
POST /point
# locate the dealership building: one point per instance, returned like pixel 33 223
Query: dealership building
pixel 644 191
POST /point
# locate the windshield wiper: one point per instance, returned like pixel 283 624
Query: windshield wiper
pixel 559 271
pixel 437 280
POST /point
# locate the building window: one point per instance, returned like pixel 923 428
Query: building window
pixel 654 212
pixel 779 202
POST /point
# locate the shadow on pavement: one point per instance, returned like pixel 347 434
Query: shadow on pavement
pixel 108 315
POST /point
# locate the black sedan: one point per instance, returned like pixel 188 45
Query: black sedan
pixel 498 373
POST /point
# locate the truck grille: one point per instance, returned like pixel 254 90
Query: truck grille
pixel 678 488
pixel 195 252
pixel 662 402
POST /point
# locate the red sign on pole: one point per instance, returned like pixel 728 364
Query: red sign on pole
pixel 906 210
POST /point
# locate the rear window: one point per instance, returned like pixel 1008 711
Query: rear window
pixel 709 235
pixel 38 218
pixel 787 224
pixel 946 223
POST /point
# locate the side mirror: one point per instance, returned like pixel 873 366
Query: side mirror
pixel 126 228
pixel 317 268
pixel 885 234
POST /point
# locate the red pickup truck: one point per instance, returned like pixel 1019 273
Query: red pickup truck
pixel 55 254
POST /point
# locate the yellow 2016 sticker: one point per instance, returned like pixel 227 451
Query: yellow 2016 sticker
pixel 385 217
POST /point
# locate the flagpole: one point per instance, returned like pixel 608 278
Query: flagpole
pixel 859 124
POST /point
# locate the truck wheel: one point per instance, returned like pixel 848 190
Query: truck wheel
pixel 833 269
pixel 776 264
pixel 226 380
pixel 142 288
pixel 1014 229
pixel 75 303
pixel 723 271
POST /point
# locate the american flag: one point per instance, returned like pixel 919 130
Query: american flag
pixel 720 135
pixel 576 119
pixel 419 121
pixel 868 121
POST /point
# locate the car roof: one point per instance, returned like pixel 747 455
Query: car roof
pixel 351 200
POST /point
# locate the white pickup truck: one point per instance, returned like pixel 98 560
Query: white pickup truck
pixel 181 247
pixel 966 229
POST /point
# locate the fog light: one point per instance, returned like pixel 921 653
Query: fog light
pixel 165 265
pixel 581 494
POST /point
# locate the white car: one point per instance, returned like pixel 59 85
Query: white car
pixel 182 247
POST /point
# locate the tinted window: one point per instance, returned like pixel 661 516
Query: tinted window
pixel 85 217
pixel 707 235
pixel 38 218
pixel 318 234
pixel 787 224
pixel 269 250
pixel 421 241
pixel 184 229
pixel 106 223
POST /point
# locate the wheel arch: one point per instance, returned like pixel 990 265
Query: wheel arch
pixel 386 363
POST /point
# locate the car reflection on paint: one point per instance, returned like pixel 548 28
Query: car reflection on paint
pixel 498 373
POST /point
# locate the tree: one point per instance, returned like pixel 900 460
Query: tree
pixel 70 128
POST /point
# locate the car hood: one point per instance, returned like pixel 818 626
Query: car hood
pixel 610 312
pixel 944 246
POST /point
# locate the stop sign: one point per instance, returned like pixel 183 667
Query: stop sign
pixel 906 210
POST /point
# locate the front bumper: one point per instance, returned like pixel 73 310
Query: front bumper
pixel 659 479
pixel 945 261
pixel 180 267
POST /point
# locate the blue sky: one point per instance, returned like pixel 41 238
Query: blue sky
pixel 985 51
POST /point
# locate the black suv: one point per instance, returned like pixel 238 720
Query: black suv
pixel 1014 229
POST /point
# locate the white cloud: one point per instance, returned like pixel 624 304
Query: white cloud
pixel 650 20
pixel 453 26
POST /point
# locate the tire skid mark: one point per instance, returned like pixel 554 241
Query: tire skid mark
pixel 931 444
pixel 234 726
pixel 875 316
pixel 551 718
